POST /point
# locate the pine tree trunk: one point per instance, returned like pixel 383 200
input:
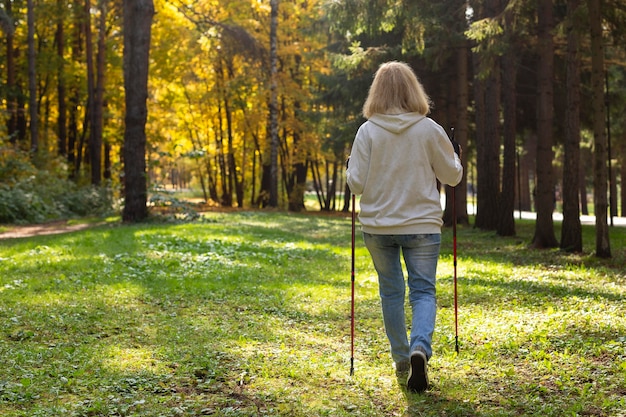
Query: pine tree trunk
pixel 138 15
pixel 571 231
pixel 544 227
pixel 461 128
pixel 487 103
pixel 600 174
pixel 506 206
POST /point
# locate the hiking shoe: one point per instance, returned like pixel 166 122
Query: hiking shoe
pixel 418 374
pixel 402 368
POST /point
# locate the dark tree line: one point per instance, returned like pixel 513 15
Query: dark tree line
pixel 535 76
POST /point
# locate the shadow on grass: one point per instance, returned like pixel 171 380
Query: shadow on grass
pixel 525 290
pixel 433 403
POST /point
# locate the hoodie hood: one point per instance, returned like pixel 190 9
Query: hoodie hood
pixel 396 123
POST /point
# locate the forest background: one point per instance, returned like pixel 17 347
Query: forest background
pixel 256 103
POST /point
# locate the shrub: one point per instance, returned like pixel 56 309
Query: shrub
pixel 29 195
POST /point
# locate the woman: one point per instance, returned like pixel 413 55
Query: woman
pixel 397 157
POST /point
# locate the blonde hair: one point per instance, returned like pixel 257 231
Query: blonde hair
pixel 396 90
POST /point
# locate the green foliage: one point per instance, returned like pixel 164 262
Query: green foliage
pixel 29 195
pixel 247 314
pixel 14 166
pixel 43 198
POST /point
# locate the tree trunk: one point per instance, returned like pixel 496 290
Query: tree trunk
pixel 273 116
pixel 11 92
pixel 600 174
pixel 220 159
pixel 61 88
pixel 582 179
pixel 92 152
pixel 235 178
pixel 138 15
pixel 298 170
pixel 479 116
pixel 571 230
pixel 107 174
pixel 32 80
pixel 458 100
pixel 73 160
pixel 506 197
pixel 231 164
pixel 263 199
pixel 298 173
pixel 489 154
pixel 461 129
pixel 98 99
pixel 544 226
pixel 487 105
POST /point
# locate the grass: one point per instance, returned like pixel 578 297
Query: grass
pixel 247 314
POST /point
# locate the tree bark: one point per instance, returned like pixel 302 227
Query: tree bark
pixel 98 99
pixel 273 116
pixel 600 174
pixel 571 230
pixel 461 129
pixel 61 87
pixel 487 104
pixel 506 197
pixel 32 80
pixel 585 155
pixel 544 226
pixel 89 131
pixel 138 15
pixel 11 92
pixel 73 160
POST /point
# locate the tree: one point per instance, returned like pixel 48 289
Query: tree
pixel 138 16
pixel 506 196
pixel 460 102
pixel 571 231
pixel 600 174
pixel 61 86
pixel 486 31
pixel 545 196
pixel 98 97
pixel 273 107
pixel 8 27
pixel 32 80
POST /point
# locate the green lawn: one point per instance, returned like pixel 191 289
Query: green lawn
pixel 248 314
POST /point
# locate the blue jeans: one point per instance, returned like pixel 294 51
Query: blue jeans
pixel 421 253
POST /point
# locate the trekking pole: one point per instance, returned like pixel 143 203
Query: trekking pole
pixel 352 279
pixel 456 298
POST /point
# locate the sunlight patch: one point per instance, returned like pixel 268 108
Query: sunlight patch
pixel 131 359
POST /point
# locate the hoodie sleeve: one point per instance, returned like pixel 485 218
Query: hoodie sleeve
pixel 445 162
pixel 359 162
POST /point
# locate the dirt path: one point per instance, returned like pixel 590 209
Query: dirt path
pixel 52 228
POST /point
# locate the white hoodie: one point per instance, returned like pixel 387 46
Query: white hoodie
pixel 394 164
